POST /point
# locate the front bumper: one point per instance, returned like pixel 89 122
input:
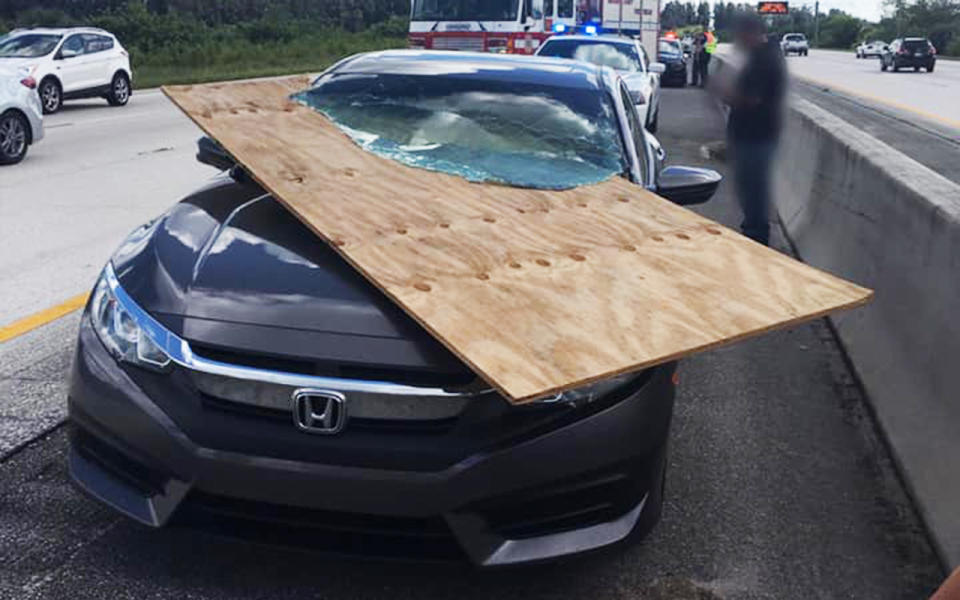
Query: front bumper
pixel 576 487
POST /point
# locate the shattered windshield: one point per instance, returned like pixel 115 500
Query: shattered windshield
pixel 524 135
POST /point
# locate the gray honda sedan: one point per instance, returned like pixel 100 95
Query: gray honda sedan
pixel 233 373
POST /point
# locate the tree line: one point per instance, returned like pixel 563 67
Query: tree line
pixel 938 20
pixel 352 15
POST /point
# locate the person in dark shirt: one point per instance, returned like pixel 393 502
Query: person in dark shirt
pixel 756 119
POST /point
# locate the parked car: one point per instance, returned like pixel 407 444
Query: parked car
pixel 626 55
pixel 674 61
pixel 868 49
pixel 909 52
pixel 21 118
pixel 795 43
pixel 215 328
pixel 70 63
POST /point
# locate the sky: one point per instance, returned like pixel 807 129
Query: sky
pixel 865 9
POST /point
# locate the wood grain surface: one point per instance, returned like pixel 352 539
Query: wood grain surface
pixel 537 291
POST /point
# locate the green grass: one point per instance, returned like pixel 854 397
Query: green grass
pixel 240 59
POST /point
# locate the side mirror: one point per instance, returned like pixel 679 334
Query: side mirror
pixel 688 185
pixel 657 67
pixel 211 153
pixel 67 53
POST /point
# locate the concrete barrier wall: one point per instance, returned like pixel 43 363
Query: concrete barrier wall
pixel 864 211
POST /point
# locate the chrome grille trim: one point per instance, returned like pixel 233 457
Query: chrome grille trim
pixel 457 42
pixel 363 405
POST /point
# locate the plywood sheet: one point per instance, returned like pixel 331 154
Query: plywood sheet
pixel 538 291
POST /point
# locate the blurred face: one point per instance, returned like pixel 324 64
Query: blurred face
pixel 747 39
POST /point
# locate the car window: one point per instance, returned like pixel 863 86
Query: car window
pixel 669 47
pixel 565 9
pixel 484 129
pixel 74 43
pixel 623 57
pixel 916 45
pixel 28 46
pixel 636 131
pixel 97 43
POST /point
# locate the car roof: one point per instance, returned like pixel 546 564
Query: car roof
pixel 556 72
pixel 59 30
pixel 609 38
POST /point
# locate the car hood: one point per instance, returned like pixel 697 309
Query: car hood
pixel 12 64
pixel 230 268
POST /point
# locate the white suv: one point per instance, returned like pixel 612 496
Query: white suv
pixel 795 42
pixel 82 62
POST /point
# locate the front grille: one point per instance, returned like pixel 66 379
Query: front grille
pixel 463 43
pixel 428 426
pixel 576 503
pixel 319 530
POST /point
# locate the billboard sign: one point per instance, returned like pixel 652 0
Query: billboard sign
pixel 773 8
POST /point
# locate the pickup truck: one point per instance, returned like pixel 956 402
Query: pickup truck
pixel 794 42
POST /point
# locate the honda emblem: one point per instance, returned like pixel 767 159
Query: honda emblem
pixel 319 411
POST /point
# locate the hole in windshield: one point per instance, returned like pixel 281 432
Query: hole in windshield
pixel 523 135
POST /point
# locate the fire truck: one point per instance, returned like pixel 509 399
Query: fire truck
pixel 520 26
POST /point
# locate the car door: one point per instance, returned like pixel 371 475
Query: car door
pixel 98 57
pixel 71 66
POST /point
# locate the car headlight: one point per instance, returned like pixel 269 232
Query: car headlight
pixel 637 97
pixel 119 325
pixel 26 70
pixel 585 395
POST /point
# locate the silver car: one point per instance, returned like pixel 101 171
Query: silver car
pixel 21 115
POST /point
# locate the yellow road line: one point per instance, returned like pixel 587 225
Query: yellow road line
pixel 878 99
pixel 18 328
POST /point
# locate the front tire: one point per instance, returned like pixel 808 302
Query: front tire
pixel 119 90
pixel 930 68
pixel 51 95
pixel 13 137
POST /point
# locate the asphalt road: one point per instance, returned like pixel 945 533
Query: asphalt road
pixel 100 172
pixel 931 96
pixel 778 486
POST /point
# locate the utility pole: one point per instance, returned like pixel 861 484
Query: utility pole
pixel 816 24
pixel 620 22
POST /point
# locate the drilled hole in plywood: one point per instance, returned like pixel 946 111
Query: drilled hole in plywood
pixel 445 225
pixel 402 231
pixel 578 257
pixel 489 219
pixel 483 276
pixel 543 262
pixel 713 231
pixel 582 204
pixel 521 211
pixel 683 236
pixel 623 199
pixel 422 287
pixel 338 242
pixel 657 238
pixel 515 265
pixel 630 248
